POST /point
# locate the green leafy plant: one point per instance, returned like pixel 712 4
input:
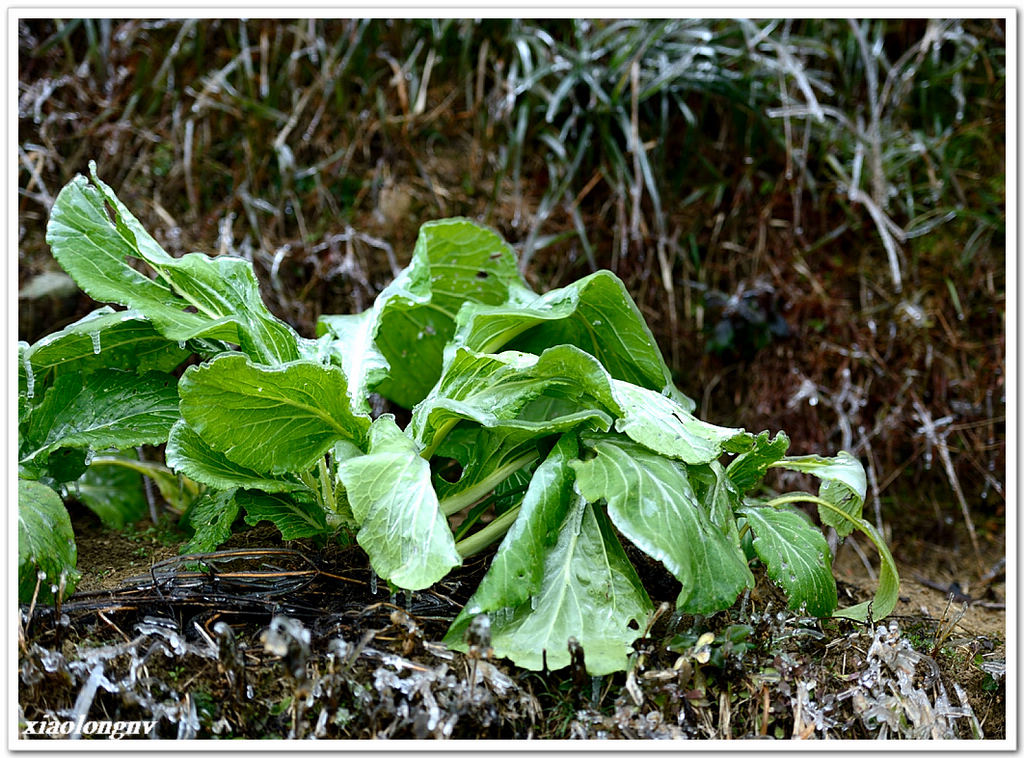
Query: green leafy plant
pixel 548 421
pixel 88 395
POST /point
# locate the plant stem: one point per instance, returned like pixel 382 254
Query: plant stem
pixel 143 467
pixel 326 491
pixel 457 502
pixel 743 531
pixel 804 497
pixel 439 435
pixel 158 473
pixel 505 337
pixel 310 481
pixel 477 541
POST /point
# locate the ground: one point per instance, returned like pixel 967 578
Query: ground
pixel 225 657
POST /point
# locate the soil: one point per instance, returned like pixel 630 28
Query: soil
pixel 373 666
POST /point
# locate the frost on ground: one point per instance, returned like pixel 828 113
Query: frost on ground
pixel 788 679
pixel 900 693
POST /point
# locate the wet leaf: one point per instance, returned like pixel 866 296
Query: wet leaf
pixel 511 391
pixel 46 543
pixel 455 261
pixel 714 488
pixel 350 340
pixel 595 313
pixel 269 419
pixel 293 514
pixel 663 425
pixel 747 470
pixel 211 516
pixel 650 500
pixel 188 454
pixel 589 591
pixel 123 340
pixel 104 409
pixel 401 527
pixel 192 296
pixel 797 557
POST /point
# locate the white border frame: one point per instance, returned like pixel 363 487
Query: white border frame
pixel 241 8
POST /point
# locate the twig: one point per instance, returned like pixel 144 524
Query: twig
pixel 939 441
pixel 863 557
pixel 147 486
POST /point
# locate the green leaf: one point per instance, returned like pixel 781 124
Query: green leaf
pixel 101 341
pixel 454 262
pixel 188 454
pixel 843 483
pixel 588 590
pixel 350 340
pixel 46 543
pixel 748 469
pixel 401 526
pixel 650 500
pixel 211 516
pixel 797 557
pixel 718 493
pixel 269 419
pixel 114 493
pixel 192 296
pixel 509 391
pixel 65 464
pixel 888 592
pixel 295 516
pixel 595 314
pixel 516 572
pixel 661 424
pixel 104 409
pixel 123 340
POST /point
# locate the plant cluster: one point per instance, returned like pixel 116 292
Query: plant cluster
pixel 547 421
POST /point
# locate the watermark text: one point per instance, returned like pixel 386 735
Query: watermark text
pixel 114 730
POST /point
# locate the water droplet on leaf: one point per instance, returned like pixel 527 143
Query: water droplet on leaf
pixel 30 377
